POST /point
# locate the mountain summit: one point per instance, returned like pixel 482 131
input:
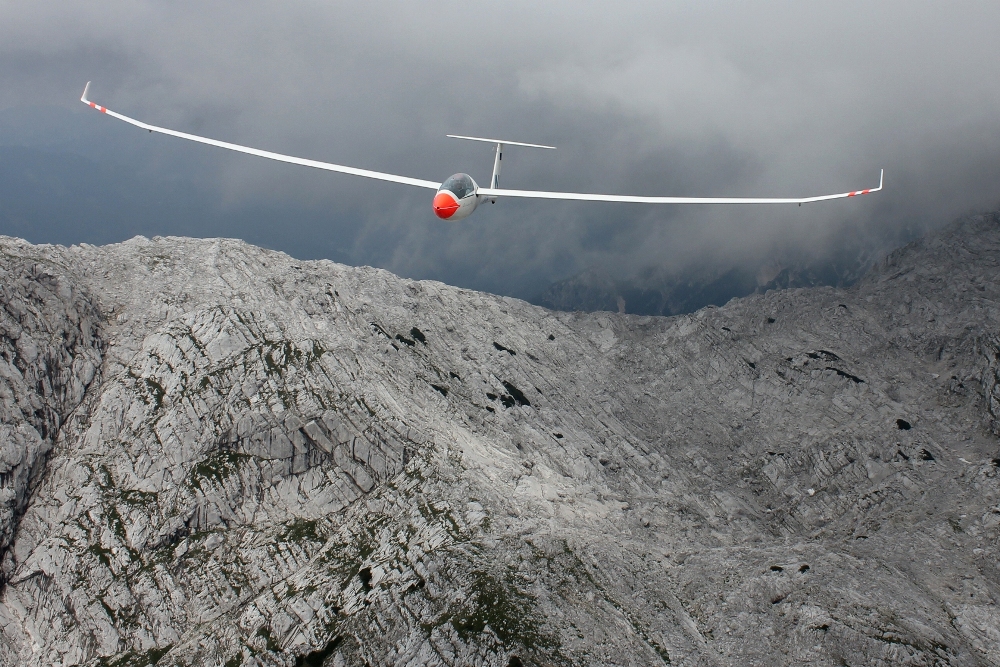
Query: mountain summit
pixel 212 453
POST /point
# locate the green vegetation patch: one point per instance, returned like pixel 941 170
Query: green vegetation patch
pixel 301 530
pixel 440 513
pixel 217 468
pixel 278 356
pixel 349 551
pixel 150 657
pixel 139 498
pixel 509 613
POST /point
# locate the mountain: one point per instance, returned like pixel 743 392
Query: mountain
pixel 212 453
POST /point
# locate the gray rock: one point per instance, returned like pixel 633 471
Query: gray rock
pixel 50 350
pixel 216 454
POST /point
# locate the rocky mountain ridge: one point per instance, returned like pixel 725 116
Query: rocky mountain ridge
pixel 216 454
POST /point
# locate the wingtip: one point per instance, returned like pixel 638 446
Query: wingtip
pixel 86 89
pixel 881 175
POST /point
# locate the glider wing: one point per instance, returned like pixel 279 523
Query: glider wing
pixel 268 154
pixel 536 194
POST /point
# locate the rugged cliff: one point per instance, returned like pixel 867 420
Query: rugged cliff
pixel 214 454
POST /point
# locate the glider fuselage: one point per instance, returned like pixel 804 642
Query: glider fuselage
pixel 457 198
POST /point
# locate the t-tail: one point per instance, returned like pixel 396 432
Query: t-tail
pixel 495 181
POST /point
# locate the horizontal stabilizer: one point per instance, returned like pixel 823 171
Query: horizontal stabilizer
pixel 500 141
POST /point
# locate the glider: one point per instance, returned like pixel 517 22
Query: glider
pixel 459 195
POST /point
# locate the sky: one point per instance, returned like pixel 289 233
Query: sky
pixel 715 98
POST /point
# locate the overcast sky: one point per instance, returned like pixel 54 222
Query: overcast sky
pixel 655 98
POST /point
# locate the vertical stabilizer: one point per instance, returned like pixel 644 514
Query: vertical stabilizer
pixel 495 181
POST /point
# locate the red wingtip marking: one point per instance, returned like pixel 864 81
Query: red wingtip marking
pixel 864 192
pixel 851 194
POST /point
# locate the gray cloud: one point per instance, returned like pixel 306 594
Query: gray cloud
pixel 718 98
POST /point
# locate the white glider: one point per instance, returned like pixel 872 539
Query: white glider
pixel 459 195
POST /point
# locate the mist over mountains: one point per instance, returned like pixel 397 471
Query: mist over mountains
pixel 678 294
pixel 662 291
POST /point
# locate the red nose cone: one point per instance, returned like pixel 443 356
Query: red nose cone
pixel 445 205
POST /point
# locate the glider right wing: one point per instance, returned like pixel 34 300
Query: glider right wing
pixel 539 194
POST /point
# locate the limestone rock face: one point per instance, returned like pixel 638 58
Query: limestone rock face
pixel 50 352
pixel 214 454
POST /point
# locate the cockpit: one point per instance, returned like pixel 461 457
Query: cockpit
pixel 461 185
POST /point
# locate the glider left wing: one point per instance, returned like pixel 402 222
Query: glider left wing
pixel 267 154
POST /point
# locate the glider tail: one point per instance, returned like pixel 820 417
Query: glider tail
pixel 495 181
